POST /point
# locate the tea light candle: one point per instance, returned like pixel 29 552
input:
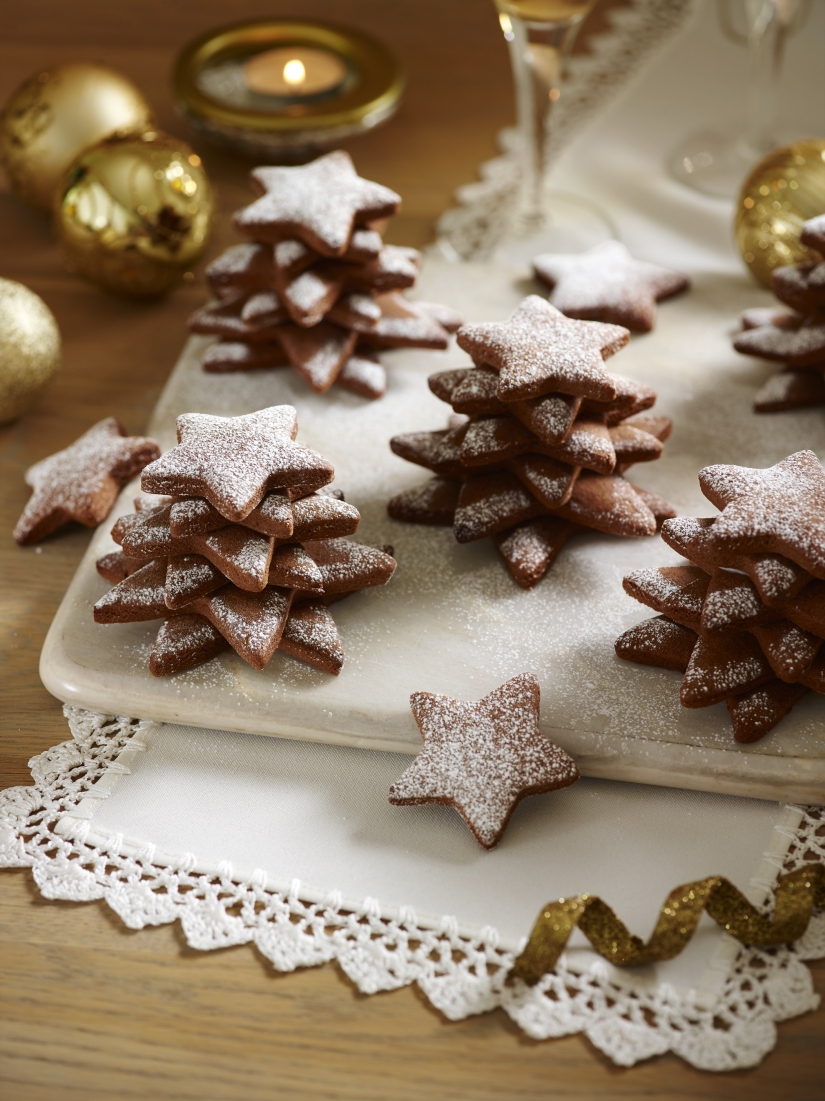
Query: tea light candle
pixel 275 87
pixel 294 72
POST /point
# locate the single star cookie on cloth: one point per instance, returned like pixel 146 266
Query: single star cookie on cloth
pixel 234 461
pixel 607 284
pixel 81 482
pixel 318 202
pixel 539 350
pixel 483 758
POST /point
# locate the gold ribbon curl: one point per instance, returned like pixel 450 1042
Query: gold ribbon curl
pixel 796 896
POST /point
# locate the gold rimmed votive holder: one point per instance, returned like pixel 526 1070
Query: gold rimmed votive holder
pixel 280 90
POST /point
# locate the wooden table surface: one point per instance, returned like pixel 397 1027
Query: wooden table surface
pixel 90 1008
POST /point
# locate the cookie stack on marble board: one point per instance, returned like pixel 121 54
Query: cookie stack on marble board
pixel 317 288
pixel 533 471
pixel 743 623
pixel 794 336
pixel 258 582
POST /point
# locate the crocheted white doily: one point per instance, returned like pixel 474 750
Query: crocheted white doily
pixel 460 975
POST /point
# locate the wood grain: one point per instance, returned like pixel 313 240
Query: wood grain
pixel 89 1008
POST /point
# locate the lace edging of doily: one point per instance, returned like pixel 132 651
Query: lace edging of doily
pixel 473 229
pixel 460 974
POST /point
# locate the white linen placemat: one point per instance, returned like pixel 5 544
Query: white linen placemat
pixel 216 829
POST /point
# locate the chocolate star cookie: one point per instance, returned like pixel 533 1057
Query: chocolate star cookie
pixel 539 350
pixel 607 284
pixel 318 202
pixel 780 509
pixel 483 758
pixel 234 461
pixel 82 481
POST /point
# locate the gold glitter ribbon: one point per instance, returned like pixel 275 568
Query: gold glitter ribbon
pixel 796 896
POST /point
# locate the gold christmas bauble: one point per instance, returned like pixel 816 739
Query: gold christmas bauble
pixel 133 214
pixel 783 191
pixel 29 348
pixel 57 114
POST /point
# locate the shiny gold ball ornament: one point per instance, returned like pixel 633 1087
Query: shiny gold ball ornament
pixel 29 348
pixel 783 191
pixel 58 113
pixel 133 214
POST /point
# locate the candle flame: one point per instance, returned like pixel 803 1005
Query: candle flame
pixel 294 72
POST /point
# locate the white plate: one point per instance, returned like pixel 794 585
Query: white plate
pixel 452 620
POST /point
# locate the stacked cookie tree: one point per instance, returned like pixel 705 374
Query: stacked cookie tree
pixel 745 621
pixel 794 337
pixel 543 437
pixel 248 550
pixel 316 287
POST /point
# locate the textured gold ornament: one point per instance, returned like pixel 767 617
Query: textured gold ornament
pixel 133 213
pixel 58 113
pixel 796 896
pixel 783 191
pixel 29 348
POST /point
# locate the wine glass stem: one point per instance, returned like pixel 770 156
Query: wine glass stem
pixel 766 42
pixel 538 53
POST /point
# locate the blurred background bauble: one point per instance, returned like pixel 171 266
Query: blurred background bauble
pixel 784 190
pixel 58 113
pixel 29 348
pixel 133 213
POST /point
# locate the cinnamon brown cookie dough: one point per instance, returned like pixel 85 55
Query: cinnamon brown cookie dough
pixel 745 621
pixel 795 336
pixel 483 758
pixel 541 438
pixel 247 552
pixel 607 284
pixel 81 482
pixel 317 289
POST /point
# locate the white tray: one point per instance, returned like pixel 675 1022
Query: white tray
pixel 452 620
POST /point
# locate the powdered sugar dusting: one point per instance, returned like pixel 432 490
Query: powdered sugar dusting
pixel 539 350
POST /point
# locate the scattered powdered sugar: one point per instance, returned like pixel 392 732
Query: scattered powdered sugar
pixel 452 619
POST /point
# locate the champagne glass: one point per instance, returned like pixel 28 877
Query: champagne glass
pixel 540 35
pixel 716 162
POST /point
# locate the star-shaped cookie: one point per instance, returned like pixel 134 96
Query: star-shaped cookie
pixel 318 202
pixel 539 350
pixel 780 509
pixel 483 758
pixel 234 461
pixel 81 482
pixel 607 284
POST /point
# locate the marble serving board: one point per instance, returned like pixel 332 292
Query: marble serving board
pixel 452 620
